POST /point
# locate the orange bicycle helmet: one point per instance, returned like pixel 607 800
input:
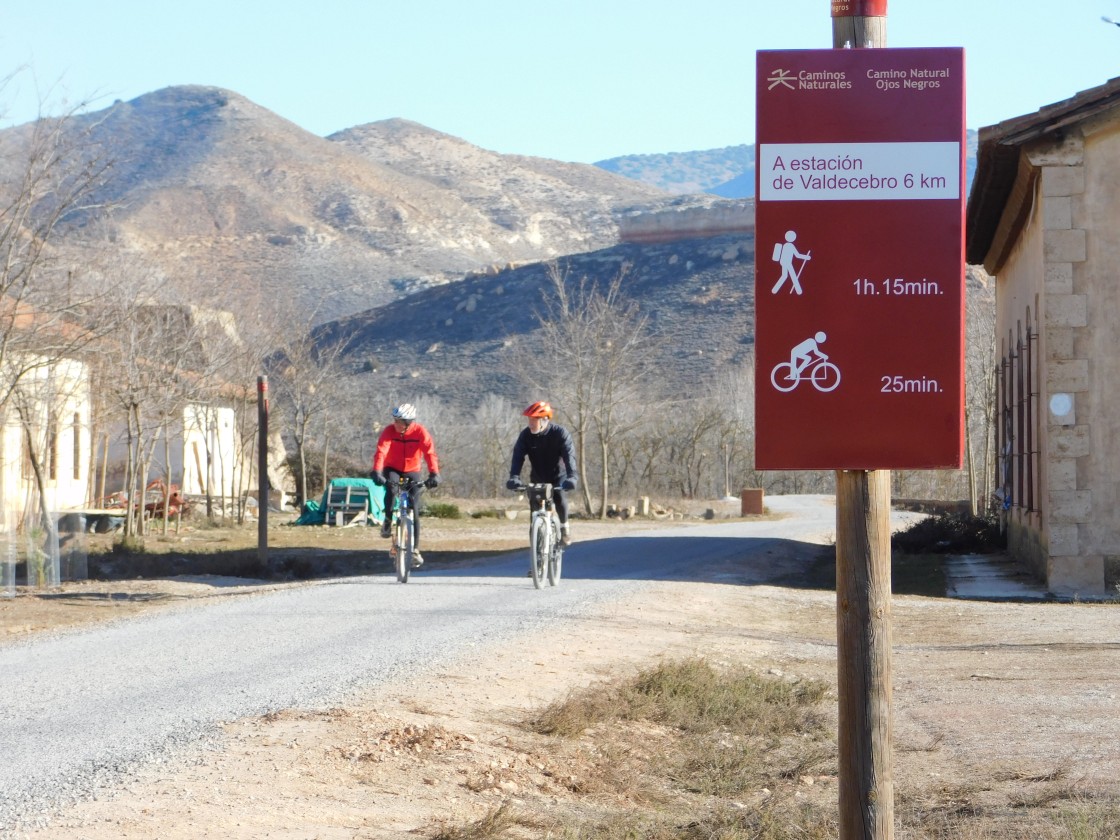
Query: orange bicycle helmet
pixel 538 409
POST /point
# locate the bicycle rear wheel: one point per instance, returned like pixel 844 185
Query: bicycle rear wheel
pixel 403 544
pixel 538 549
pixel 556 556
pixel 783 378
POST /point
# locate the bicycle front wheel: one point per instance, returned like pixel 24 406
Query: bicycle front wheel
pixel 404 547
pixel 538 549
pixel 556 556
pixel 826 376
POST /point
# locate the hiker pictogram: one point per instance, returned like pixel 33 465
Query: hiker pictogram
pixel 784 254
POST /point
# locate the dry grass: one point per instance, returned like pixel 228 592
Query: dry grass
pixel 691 751
pixel 1007 804
pixel 494 824
pixel 685 750
pixel 692 696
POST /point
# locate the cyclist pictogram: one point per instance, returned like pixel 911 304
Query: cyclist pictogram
pixel 807 363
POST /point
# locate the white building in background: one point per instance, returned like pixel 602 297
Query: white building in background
pixel 212 458
pixel 200 451
pixel 48 413
pixel 202 448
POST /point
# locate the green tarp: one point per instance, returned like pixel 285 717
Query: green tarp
pixel 314 512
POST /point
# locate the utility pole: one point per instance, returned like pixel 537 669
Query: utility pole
pixel 262 469
pixel 859 24
pixel 863 580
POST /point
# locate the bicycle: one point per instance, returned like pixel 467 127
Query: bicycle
pixel 546 552
pixel 824 375
pixel 403 549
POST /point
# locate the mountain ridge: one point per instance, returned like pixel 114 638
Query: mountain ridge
pixel 211 187
pixel 415 245
pixel 727 172
pixel 459 342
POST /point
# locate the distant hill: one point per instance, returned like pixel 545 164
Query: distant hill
pixel 423 249
pixel 726 172
pixel 459 342
pixel 234 205
pixel 708 171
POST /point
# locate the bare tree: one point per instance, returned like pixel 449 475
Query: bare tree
pixel 495 425
pixel 624 453
pixel 49 170
pixel 735 427
pixel 211 394
pixel 595 358
pixel 981 361
pixel 45 175
pixel 147 379
pixel 307 381
pixel 243 361
pixel 691 451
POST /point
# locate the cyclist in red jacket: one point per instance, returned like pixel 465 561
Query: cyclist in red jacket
pixel 403 447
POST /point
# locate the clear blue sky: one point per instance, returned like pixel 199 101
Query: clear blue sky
pixel 576 80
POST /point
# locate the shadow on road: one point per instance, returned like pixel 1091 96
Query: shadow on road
pixel 735 560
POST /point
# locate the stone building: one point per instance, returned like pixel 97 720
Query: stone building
pixel 1043 218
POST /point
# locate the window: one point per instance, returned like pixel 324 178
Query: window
pixel 1017 429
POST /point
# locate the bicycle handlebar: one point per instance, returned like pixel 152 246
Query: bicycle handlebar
pixel 539 492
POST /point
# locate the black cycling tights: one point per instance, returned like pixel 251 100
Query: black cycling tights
pixel 560 503
pixel 392 487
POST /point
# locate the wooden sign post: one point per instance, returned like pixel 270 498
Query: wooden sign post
pixel 863 583
pixel 859 302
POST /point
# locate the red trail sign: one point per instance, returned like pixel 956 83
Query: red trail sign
pixel 859 266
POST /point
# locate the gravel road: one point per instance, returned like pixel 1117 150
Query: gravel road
pixel 80 710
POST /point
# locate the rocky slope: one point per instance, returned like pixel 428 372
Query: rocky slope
pixel 459 342
pixel 219 195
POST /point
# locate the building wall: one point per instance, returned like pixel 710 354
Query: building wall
pixel 210 452
pixel 1095 210
pixel 1019 297
pixel 1065 267
pixel 204 447
pixel 670 224
pixel 1068 568
pixel 59 396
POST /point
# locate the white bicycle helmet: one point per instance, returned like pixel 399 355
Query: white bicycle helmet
pixel 404 411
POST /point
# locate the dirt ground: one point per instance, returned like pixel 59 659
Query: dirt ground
pixel 987 696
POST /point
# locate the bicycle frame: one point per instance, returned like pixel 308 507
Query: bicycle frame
pixel 545 550
pixel 823 374
pixel 404 529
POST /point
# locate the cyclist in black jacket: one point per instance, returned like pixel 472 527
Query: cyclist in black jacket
pixel 552 459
